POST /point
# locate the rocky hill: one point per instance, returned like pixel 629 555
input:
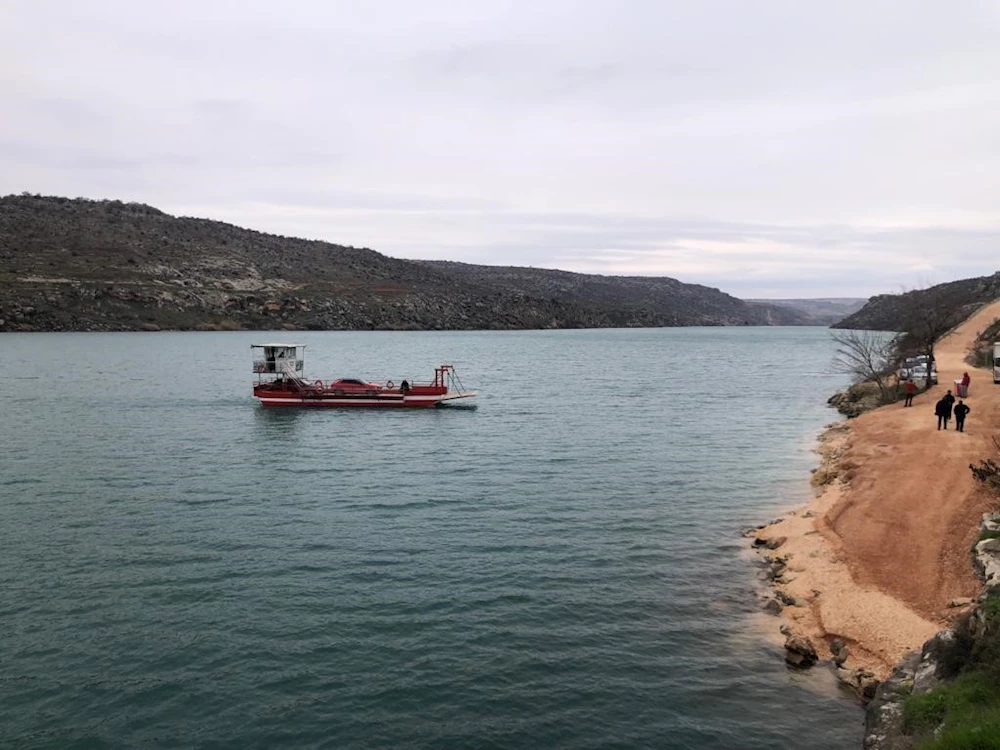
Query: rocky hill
pixel 953 301
pixel 629 300
pixel 77 264
pixel 821 311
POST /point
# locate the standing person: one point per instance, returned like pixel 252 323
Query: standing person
pixel 943 411
pixel 911 391
pixel 961 410
pixel 965 385
pixel 950 398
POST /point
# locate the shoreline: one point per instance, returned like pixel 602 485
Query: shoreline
pixel 810 586
pixel 880 560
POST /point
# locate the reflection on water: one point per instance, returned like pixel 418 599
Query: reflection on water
pixel 276 423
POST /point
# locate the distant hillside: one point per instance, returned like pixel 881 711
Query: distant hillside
pixel 821 311
pixel 651 301
pixel 955 301
pixel 76 264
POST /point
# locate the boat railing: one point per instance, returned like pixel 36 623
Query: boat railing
pixel 444 377
pixel 277 366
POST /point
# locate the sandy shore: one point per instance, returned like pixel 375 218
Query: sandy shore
pixel 879 555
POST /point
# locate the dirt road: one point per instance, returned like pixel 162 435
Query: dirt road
pixel 893 546
pixel 913 510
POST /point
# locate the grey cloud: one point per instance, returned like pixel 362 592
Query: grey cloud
pixel 747 259
pixel 846 147
pixel 62 157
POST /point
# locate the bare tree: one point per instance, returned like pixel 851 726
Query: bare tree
pixel 929 325
pixel 868 357
pixel 928 319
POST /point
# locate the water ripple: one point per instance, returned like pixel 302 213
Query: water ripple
pixel 559 568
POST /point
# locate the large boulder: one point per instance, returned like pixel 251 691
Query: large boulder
pixel 861 681
pixel 773 607
pixel 988 561
pixel 771 543
pixel 884 714
pixel 934 658
pixel 800 651
pixel 839 651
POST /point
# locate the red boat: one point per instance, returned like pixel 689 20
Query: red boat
pixel 280 382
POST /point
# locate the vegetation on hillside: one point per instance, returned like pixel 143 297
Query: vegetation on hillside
pixel 962 713
pixel 981 353
pixel 77 264
pixel 987 473
pixel 953 302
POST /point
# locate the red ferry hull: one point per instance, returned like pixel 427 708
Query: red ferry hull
pixel 386 399
pixel 280 382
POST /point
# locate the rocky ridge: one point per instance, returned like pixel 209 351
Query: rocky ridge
pixel 955 300
pixel 77 264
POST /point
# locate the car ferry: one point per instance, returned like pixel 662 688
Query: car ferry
pixel 280 381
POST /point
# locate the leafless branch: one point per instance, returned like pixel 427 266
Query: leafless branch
pixel 867 356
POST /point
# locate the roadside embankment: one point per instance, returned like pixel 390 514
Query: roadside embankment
pixel 948 694
pixel 880 560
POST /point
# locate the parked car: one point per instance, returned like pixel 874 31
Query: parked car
pixel 916 368
pixel 919 373
pixel 909 364
pixel 353 387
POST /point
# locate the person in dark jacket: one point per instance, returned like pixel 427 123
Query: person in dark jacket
pixel 961 410
pixel 911 391
pixel 950 399
pixel 943 411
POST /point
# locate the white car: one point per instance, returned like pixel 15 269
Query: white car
pixel 919 373
pixel 912 365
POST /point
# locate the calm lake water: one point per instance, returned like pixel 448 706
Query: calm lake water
pixel 560 568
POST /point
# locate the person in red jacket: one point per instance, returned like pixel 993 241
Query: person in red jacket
pixel 911 391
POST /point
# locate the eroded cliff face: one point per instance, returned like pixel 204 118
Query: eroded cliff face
pixel 105 265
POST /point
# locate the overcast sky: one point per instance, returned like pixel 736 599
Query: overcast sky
pixel 767 148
